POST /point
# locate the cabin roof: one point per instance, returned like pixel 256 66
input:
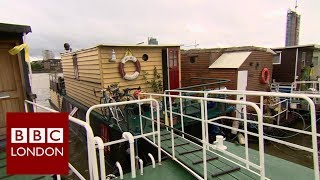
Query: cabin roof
pixel 14 28
pixel 230 60
pixel 313 46
pixel 141 45
pixel 122 45
pixel 229 49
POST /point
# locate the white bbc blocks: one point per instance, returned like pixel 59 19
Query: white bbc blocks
pixel 36 135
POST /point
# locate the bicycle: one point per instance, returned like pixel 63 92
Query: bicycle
pixel 116 113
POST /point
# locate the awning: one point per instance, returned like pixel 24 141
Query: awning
pixel 230 60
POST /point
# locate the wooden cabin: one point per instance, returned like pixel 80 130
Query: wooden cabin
pixel 14 80
pixel 243 66
pixel 100 66
pixel 290 62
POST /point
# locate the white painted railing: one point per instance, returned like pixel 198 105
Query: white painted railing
pixel 262 95
pixel 92 157
pixel 128 136
pixel 205 137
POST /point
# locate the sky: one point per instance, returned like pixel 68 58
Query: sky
pixel 211 23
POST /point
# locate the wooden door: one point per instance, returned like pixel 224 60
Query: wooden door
pixel 173 59
pixel 11 93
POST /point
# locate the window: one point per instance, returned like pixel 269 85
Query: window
pixel 277 58
pixel 193 59
pixel 315 61
pixel 75 66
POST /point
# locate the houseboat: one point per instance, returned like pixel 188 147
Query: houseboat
pixel 106 87
pixel 164 120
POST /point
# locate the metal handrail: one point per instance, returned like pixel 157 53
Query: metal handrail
pixel 204 122
pixel 126 135
pixel 92 157
pixel 306 97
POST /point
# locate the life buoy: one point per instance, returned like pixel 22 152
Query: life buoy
pixel 123 74
pixel 265 76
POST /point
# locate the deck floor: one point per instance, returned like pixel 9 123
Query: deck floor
pixel 4 176
pixel 191 155
pixel 276 168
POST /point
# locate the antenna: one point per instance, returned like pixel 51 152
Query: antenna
pixel 296 6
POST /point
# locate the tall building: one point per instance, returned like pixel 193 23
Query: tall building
pixel 293 27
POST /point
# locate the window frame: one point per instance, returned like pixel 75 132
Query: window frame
pixel 280 57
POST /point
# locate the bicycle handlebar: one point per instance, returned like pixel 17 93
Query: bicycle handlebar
pixel 130 89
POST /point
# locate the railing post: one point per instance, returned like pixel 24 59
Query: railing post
pixel 152 122
pixel 204 146
pixel 140 116
pixel 261 140
pixel 172 132
pixel 206 118
pixel 279 110
pixel 246 131
pixel 181 114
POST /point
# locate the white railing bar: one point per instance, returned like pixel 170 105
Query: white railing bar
pixel 266 124
pixel 260 121
pixel 124 140
pixel 184 115
pixel 77 173
pixel 153 162
pixel 99 142
pixel 181 111
pixel 140 116
pixel 171 125
pixel 131 102
pixel 119 169
pixel 92 157
pixel 289 144
pixel 246 134
pixel 204 147
pixel 152 124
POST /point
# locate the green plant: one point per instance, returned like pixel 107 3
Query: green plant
pixel 155 81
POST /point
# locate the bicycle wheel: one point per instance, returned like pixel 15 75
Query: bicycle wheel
pixel 117 116
pixel 104 110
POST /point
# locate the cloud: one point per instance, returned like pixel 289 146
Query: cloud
pixel 210 22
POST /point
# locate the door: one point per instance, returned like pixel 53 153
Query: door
pixel 173 61
pixel 242 81
pixel 11 93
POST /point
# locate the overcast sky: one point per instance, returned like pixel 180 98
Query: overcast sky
pixel 211 23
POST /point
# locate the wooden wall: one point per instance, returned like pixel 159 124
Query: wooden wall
pixel 111 72
pixel 264 59
pixel 89 76
pixel 201 69
pixel 285 71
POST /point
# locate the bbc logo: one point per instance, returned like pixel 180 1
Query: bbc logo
pixel 36 135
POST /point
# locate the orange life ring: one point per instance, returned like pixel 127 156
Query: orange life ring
pixel 265 76
pixel 123 73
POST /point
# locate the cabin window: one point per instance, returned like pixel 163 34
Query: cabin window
pixel 75 66
pixel 315 61
pixel 193 59
pixel 277 58
pixel 145 57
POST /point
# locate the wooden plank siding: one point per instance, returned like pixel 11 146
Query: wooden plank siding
pixel 89 76
pixel 264 60
pixel 201 69
pixel 111 72
pixel 206 57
